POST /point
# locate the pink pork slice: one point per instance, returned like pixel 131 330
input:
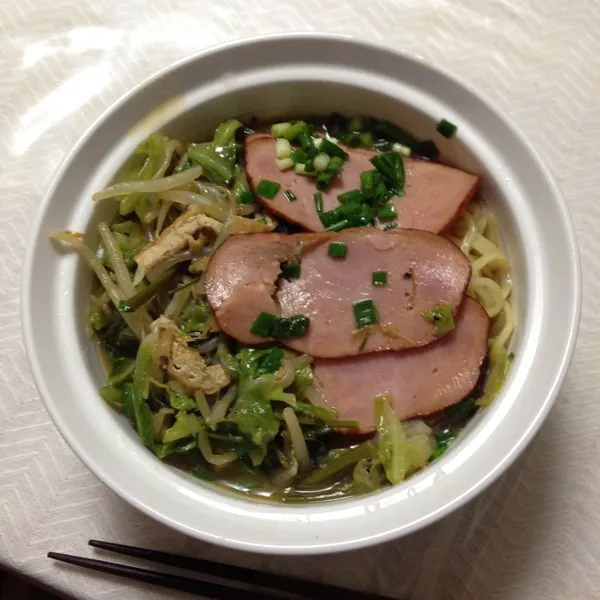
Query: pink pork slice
pixel 420 381
pixel 423 270
pixel 434 197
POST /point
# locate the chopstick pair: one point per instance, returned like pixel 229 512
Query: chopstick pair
pixel 271 585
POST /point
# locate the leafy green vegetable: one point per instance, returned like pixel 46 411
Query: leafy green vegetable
pixel 119 340
pixel 180 401
pixel 98 318
pixel 194 316
pixel 441 316
pixel 218 165
pixel 443 439
pixel 464 409
pixel 339 459
pixel 320 412
pixel 304 377
pixel 392 445
pixel 112 396
pixel 130 238
pixel 143 366
pixel 367 474
pixel 258 388
pixel 185 425
pixel 139 413
pixel 178 447
pixel 153 151
pixel 121 369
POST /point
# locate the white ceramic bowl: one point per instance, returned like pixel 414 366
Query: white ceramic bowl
pixel 278 76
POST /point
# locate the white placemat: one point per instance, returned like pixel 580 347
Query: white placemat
pixel 533 535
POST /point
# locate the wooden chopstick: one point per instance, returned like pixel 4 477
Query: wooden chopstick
pixel 282 583
pixel 270 583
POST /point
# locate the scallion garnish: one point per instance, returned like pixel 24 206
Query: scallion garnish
pixel 289 195
pixel 387 212
pixel 333 150
pixel 291 133
pixel 263 324
pixel 337 249
pixel 351 197
pixel 305 140
pixel 365 313
pixel 285 328
pixel 391 167
pixel 290 270
pixel 441 316
pixel 246 197
pixel 299 156
pixel 390 226
pixel 446 128
pixel 319 202
pixel 267 189
pixel 379 277
pixel 343 224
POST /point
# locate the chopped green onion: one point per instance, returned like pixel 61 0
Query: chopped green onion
pixel 278 129
pixel 284 163
pixel 365 313
pixel 404 150
pixel 320 162
pixel 317 142
pixel 305 140
pixel 292 132
pixel 285 328
pixel 290 270
pixel 299 156
pixel 246 197
pixel 330 217
pixel 290 195
pixel 344 224
pixel 387 212
pixel 390 226
pixel 263 324
pixel 332 149
pixel 379 277
pixel 267 189
pixel 323 180
pixel 351 197
pixel 391 167
pixel 304 169
pixel 395 133
pixel 337 249
pixel 369 180
pixel 446 128
pixel 441 316
pixel 283 148
pixel 318 201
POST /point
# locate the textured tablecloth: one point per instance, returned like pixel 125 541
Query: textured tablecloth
pixel 533 535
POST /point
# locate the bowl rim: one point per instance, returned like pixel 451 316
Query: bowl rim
pixel 354 541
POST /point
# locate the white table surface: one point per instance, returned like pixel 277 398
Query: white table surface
pixel 533 535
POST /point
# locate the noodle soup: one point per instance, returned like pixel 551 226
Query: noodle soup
pixel 298 312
